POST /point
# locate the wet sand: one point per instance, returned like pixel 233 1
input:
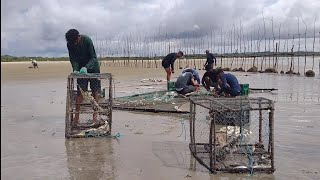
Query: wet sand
pixel 151 146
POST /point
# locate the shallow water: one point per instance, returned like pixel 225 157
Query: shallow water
pixel 151 146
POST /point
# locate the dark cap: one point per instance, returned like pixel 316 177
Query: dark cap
pixel 72 36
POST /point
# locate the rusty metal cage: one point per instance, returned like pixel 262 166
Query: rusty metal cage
pixel 233 135
pixel 88 105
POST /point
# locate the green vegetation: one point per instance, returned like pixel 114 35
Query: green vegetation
pixel 7 58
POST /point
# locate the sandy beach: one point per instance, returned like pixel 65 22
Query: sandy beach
pixel 151 145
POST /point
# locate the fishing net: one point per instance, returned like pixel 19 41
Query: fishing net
pixel 159 101
pixel 88 105
pixel 232 134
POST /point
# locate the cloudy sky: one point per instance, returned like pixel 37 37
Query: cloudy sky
pixel 37 27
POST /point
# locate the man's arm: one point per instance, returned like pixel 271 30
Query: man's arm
pixel 172 63
pixel 215 60
pixel 92 54
pixel 73 60
pixel 194 82
pixel 206 62
pixel 203 81
pixel 197 77
pixel 223 84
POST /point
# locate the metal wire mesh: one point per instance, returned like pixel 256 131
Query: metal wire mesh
pixel 89 105
pixel 158 101
pixel 232 134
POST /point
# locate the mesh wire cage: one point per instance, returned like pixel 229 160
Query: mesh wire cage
pixel 234 135
pixel 88 105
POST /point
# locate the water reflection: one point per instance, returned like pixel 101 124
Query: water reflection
pixel 177 155
pixel 90 158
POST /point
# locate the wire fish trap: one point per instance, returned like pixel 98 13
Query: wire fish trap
pixel 88 111
pixel 234 135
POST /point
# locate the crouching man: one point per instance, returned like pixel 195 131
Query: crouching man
pixel 228 83
pixel 186 83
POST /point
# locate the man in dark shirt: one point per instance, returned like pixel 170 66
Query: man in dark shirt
pixel 209 79
pixel 83 59
pixel 228 83
pixel 186 83
pixel 168 63
pixel 210 59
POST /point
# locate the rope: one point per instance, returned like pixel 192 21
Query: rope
pixel 183 129
pixel 114 89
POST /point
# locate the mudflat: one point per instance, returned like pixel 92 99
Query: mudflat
pixel 151 145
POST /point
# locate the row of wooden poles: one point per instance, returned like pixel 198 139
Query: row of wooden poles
pixel 272 64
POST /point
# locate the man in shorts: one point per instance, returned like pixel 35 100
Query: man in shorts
pixel 210 59
pixel 168 63
pixel 186 83
pixel 83 59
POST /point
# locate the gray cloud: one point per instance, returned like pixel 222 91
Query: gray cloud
pixel 37 28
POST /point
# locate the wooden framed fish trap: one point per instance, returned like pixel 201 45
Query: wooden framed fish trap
pixel 88 105
pixel 234 135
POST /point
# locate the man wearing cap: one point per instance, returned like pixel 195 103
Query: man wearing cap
pixel 210 59
pixel 84 60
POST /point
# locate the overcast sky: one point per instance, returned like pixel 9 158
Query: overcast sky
pixel 37 27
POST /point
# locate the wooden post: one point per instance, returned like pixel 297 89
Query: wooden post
pixel 111 102
pixel 314 40
pixel 192 116
pixel 298 47
pixel 271 136
pixel 212 153
pixel 67 116
pixel 260 122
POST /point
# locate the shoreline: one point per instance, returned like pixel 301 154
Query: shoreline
pixel 22 62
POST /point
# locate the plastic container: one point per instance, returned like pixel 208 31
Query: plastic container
pixel 244 89
pixel 171 86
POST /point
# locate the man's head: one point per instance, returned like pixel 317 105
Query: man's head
pixel 73 37
pixel 179 54
pixel 207 52
pixel 219 72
